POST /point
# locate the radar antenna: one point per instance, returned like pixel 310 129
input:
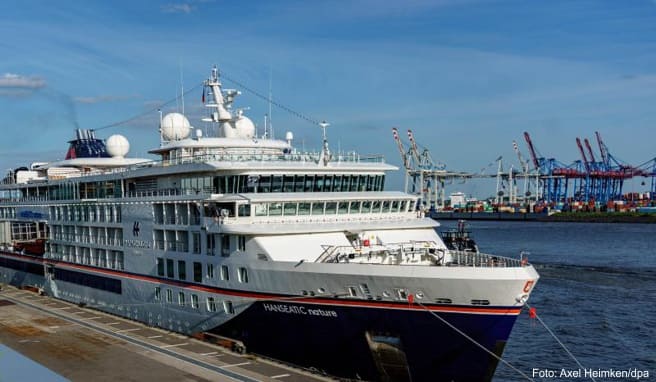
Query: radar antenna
pixel 325 153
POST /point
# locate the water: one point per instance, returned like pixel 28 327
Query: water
pixel 597 292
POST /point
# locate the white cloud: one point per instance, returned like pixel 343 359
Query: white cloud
pixel 178 8
pixel 100 99
pixel 17 81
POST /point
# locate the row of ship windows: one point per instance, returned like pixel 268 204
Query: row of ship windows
pixel 176 213
pixel 233 184
pixel 229 184
pixel 95 257
pixel 69 190
pixel 166 268
pixel 102 213
pixel 7 213
pixel 210 303
pixel 331 208
pixel 85 234
pixel 178 241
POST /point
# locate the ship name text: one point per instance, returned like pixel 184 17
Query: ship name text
pixel 301 310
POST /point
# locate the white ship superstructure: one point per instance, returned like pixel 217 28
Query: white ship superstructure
pixel 301 256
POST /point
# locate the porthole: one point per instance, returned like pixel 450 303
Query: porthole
pixel 321 290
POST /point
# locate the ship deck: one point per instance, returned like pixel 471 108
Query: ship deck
pixel 84 344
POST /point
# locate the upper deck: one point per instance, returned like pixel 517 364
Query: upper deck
pixel 224 157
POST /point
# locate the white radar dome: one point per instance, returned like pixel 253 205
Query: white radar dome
pixel 175 126
pixel 245 127
pixel 117 146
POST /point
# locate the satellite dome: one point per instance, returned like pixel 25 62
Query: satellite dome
pixel 175 126
pixel 245 127
pixel 117 146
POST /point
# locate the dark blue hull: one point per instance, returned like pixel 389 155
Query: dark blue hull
pixel 337 339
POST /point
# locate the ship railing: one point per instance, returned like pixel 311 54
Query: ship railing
pixel 478 259
pixel 310 157
pixel 413 253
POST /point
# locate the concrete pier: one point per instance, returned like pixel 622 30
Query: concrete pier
pixel 83 344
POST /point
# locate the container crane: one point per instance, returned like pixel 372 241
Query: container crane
pixel 405 158
pixel 525 170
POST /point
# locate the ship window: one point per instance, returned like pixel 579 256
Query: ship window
pixel 362 183
pixel 353 183
pixel 225 245
pixel 225 273
pixel 303 208
pixel 244 210
pixel 227 306
pixel 160 267
pixel 250 183
pixel 211 304
pixel 366 207
pixel 288 183
pixel 264 184
pixel 395 206
pixel 194 301
pixel 352 291
pixel 231 185
pixel 169 269
pixel 289 209
pixel 337 183
pixel 355 207
pixel 198 272
pixel 195 239
pixel 210 271
pixel 328 183
pixel 343 208
pixel 276 184
pixel 480 302
pixel 169 296
pixel 158 293
pixel 181 298
pixel 386 206
pixel 331 208
pixel 317 208
pixel 182 270
pixel 376 207
pixel 260 209
pixel 211 245
pixel 402 294
pixel 299 181
pixel 241 243
pixel 243 275
pixel 319 183
pixel 275 209
pixel 309 181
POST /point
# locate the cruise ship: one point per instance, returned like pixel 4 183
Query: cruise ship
pixel 303 257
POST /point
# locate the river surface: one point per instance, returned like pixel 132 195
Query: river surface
pixel 597 292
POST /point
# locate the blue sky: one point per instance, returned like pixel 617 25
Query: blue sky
pixel 467 76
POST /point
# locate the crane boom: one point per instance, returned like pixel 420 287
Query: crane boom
pixel 523 163
pixel 585 160
pixel 531 150
pixel 587 145
pixel 413 147
pixel 603 150
pixel 399 144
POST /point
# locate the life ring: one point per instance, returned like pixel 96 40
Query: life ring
pixel 528 285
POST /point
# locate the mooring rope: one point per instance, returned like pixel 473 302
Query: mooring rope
pixel 476 342
pixel 558 340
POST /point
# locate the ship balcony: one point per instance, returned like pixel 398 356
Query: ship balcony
pixel 423 253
